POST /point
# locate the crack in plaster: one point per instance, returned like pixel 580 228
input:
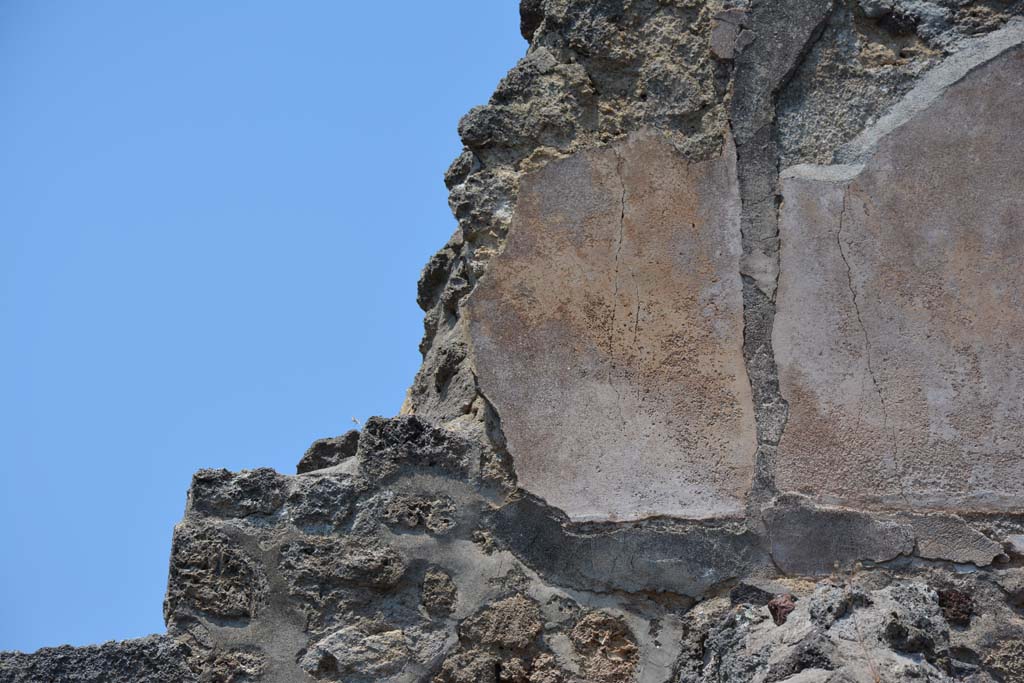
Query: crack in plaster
pixel 868 350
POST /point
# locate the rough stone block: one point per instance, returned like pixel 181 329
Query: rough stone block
pixel 329 452
pixel 154 659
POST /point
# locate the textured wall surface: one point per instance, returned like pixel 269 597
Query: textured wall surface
pixel 900 332
pixel 722 381
pixel 619 402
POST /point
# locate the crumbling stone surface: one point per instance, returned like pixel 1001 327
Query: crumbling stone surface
pixel 435 515
pixel 393 587
pixel 360 653
pixel 439 592
pixel 873 627
pixel 154 659
pixel 388 446
pixel 326 453
pixel 224 494
pixel 517 592
pixel 512 623
pixel 211 573
pixel 322 504
pixel 687 412
pixel 606 646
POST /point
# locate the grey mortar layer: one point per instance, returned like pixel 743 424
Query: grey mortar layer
pixel 342 574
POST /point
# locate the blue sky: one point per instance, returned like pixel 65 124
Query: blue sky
pixel 213 219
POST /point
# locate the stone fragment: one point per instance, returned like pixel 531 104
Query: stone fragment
pixel 321 504
pixel 229 666
pixel 320 562
pixel 606 647
pixel 608 335
pixel 780 608
pixel 900 327
pixel 410 444
pixel 916 626
pixel 830 602
pixel 726 28
pixel 221 493
pixel 545 669
pixel 511 623
pixel 329 452
pixel 957 606
pixel 809 540
pixel 433 514
pixel 363 653
pixel 438 593
pixel 947 537
pixel 471 666
pixel 212 574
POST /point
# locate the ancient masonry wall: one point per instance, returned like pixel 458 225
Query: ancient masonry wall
pixel 722 381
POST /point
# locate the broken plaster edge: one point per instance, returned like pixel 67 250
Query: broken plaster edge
pixel 850 158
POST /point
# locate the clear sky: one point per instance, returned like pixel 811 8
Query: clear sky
pixel 212 219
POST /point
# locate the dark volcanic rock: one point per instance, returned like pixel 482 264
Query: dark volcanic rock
pixel 225 494
pixel 154 659
pixel 329 452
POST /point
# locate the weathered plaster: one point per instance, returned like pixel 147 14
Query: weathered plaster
pixel 608 335
pixel 900 326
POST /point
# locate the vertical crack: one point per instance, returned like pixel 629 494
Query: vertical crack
pixel 615 286
pixel 868 351
pixel 618 250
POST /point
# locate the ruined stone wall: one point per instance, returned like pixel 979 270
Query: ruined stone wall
pixel 722 381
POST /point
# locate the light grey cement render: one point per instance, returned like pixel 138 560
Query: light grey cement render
pixel 900 328
pixel 608 335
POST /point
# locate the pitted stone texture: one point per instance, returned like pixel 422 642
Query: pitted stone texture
pixel 900 329
pixel 329 452
pixel 858 630
pixel 608 335
pixel 154 659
